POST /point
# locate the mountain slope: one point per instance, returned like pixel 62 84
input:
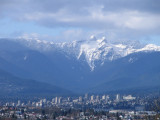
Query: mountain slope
pixel 12 85
pixel 54 67
pixel 80 65
pixel 93 51
pixel 143 72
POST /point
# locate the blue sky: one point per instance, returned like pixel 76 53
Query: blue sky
pixel 11 29
pixel 67 20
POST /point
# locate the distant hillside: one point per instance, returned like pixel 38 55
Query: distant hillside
pixel 70 65
pixel 142 72
pixel 12 85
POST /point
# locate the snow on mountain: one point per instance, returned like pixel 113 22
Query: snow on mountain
pixel 93 49
pixel 101 50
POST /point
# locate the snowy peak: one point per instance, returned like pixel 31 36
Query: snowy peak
pixel 92 37
pixel 100 50
pixel 150 47
pixel 93 50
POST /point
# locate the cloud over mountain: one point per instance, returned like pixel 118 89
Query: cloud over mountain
pixel 126 19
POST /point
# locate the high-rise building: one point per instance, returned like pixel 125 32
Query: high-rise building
pixel 80 99
pixel 13 104
pixel 7 104
pixel 86 96
pixel 104 97
pixel 44 100
pixel 117 97
pixel 41 101
pixel 107 97
pixel 97 98
pixel 68 99
pixel 92 97
pixel 59 100
pixel 19 103
pixel 56 100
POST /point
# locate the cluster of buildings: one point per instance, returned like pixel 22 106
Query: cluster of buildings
pixel 31 113
pixel 86 99
pixel 101 107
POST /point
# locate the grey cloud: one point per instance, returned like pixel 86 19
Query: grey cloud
pixel 79 6
pixel 136 16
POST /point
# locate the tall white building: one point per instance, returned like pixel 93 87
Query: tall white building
pixel 56 100
pixel 69 99
pixel 104 97
pixel 117 97
pixel 107 97
pixel 19 103
pixel 59 100
pixel 97 98
pixel 92 97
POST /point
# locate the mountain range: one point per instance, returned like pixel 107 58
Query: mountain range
pixel 93 65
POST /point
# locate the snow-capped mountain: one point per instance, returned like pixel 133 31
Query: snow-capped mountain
pixel 80 65
pixel 92 49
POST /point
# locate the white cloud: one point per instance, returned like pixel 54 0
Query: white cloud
pixel 96 18
pixel 122 17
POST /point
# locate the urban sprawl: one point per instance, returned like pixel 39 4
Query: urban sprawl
pixel 85 107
